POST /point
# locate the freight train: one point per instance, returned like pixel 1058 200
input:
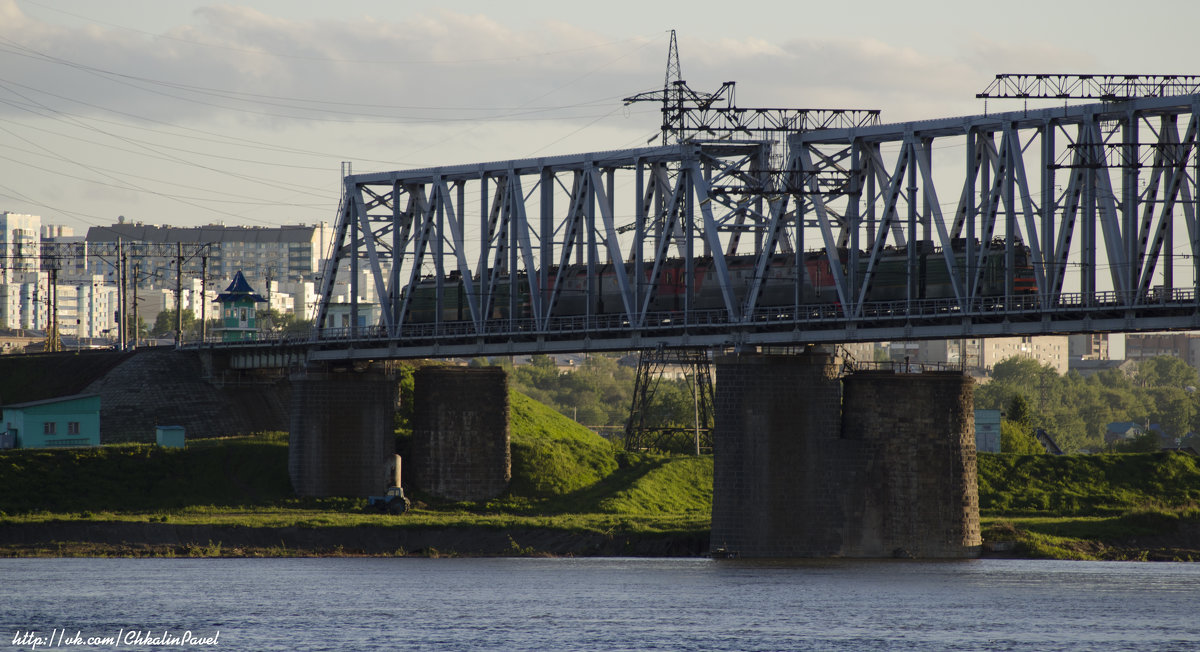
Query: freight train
pixel 889 283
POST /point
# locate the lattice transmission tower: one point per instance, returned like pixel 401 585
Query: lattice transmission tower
pixel 650 427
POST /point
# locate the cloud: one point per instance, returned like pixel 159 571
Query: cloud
pixel 233 103
pixel 1026 57
pixel 440 66
pixel 445 67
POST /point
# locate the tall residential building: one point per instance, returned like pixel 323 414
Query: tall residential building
pixel 87 309
pixel 20 242
pixel 70 253
pixel 1185 346
pixel 285 253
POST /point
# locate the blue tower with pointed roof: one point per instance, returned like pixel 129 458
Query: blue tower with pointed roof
pixel 238 321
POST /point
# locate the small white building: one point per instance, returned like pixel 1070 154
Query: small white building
pixel 987 431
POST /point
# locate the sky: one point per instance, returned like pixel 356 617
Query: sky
pixel 190 113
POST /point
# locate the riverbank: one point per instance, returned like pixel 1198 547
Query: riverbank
pixel 1034 538
pixel 572 494
pixel 1042 538
pixel 131 539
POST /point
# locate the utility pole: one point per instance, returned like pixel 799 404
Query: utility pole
pixel 178 295
pixel 270 277
pixel 137 270
pixel 53 341
pixel 122 297
pixel 203 298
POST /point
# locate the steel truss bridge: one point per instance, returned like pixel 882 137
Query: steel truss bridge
pixel 1064 220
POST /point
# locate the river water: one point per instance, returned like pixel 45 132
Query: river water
pixel 596 604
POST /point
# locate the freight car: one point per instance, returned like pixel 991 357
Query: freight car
pixel 580 295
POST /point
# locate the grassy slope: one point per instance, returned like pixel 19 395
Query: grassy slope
pixel 564 476
pixel 141 477
pixel 1091 506
pixel 1086 485
pixel 551 454
pixel 568 478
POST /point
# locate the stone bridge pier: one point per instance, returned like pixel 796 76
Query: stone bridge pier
pixel 809 464
pixel 342 433
pixel 341 440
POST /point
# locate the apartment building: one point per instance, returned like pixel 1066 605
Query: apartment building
pixel 983 354
pixel 20 242
pixel 261 254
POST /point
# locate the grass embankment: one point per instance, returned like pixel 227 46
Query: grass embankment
pixel 565 479
pixel 569 481
pixel 1115 506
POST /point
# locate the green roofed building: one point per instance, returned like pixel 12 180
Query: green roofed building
pixel 238 321
pixel 54 422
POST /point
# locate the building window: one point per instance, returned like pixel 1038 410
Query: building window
pixel 72 427
pixel 49 428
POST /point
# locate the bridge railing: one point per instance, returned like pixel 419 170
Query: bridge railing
pixel 811 317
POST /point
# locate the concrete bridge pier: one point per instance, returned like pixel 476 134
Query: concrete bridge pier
pixel 810 465
pixel 342 440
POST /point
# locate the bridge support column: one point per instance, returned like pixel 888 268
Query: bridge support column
pixel 342 439
pixel 460 445
pixel 919 494
pixel 793 477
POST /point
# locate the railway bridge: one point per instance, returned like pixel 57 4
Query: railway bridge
pixel 1073 219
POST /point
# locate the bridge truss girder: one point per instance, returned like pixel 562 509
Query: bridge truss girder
pixel 513 232
pixel 1107 236
pixel 921 228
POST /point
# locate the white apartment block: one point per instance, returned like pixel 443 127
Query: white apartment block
pixel 24 301
pixel 20 246
pixel 284 263
pixel 87 310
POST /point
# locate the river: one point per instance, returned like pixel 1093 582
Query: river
pixel 596 604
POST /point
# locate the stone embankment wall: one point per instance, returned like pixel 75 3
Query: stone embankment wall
pixel 460 447
pixel 151 387
pixel 798 474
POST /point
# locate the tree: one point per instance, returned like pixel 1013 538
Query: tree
pixel 1019 410
pixel 1166 371
pixel 274 321
pixel 1016 429
pixel 1076 411
pixel 140 333
pixel 1146 442
pixel 164 324
pixel 1020 370
pixel 1018 438
pixel 1173 410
